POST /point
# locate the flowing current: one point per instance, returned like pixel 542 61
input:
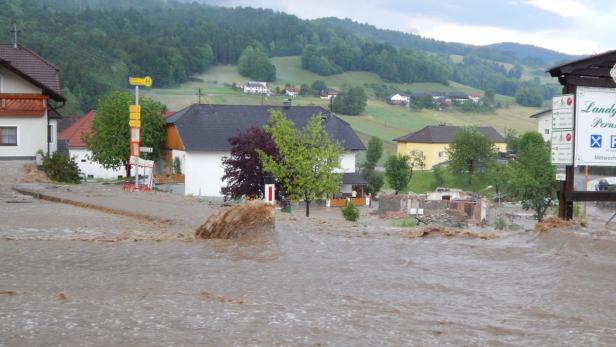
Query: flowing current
pixel 307 288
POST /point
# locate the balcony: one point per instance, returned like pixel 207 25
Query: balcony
pixel 26 105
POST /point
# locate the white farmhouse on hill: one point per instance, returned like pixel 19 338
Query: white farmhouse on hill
pixel 28 124
pixel 256 88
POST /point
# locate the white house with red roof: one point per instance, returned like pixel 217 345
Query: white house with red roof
pixel 27 122
pixel 73 135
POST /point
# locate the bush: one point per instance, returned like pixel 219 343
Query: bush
pixel 350 212
pixel 61 168
pixel 500 223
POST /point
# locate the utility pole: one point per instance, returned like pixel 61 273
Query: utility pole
pixel 199 94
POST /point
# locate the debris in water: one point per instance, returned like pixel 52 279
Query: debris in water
pixel 61 296
pixel 448 232
pixel 551 223
pixel 222 298
pixel 252 218
pixel 8 292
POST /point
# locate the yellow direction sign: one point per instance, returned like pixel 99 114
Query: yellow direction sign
pixel 134 123
pixel 140 81
pixel 135 116
pixel 134 108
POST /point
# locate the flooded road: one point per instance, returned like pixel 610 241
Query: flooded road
pixel 307 288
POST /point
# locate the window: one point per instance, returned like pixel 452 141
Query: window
pixel 8 136
pixel 50 133
pixel 547 131
pixel 441 154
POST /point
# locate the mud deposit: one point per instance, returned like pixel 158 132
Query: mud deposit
pixel 306 288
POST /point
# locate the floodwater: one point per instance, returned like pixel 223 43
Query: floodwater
pixel 306 288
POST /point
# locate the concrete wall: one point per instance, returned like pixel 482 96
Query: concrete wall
pixel 31 136
pixel 11 83
pixel 31 131
pixel 203 173
pixel 435 153
pixel 91 168
pixel 544 126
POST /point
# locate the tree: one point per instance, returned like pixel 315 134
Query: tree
pixel 353 101
pixel 243 168
pixel 512 139
pixel 308 158
pixel 255 64
pixel 374 152
pixel 398 172
pixel 318 86
pixel 528 96
pixel 469 152
pixel 109 139
pixel 304 89
pixel 533 180
pixel 368 172
pixel 498 177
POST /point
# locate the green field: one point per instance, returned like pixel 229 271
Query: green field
pixel 379 119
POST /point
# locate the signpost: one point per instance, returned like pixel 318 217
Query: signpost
pixel 562 130
pixel 595 126
pixel 135 132
pixel 146 149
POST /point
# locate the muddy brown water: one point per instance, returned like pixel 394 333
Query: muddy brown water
pixel 311 289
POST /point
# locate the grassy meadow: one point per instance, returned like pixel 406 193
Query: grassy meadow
pixel 379 119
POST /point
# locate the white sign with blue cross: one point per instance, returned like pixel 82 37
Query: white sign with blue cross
pixel 595 126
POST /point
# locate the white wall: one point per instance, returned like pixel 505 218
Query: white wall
pixel 347 162
pixel 89 167
pixel 544 126
pixel 203 173
pixel 11 83
pixel 31 136
pixel 31 131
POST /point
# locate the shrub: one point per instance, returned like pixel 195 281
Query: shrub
pixel 500 223
pixel 403 223
pixel 350 212
pixel 61 168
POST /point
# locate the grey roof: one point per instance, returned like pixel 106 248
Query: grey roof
pixel 208 127
pixel 445 134
pixel 353 178
pixel 33 68
pixel 538 114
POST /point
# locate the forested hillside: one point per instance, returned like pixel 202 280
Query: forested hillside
pixel 97 44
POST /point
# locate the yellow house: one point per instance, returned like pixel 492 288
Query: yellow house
pixel 431 142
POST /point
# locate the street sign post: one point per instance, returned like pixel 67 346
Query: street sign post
pixel 562 130
pixel 135 122
pixel 140 81
pixel 147 149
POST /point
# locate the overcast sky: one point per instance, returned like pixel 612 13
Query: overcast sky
pixel 569 26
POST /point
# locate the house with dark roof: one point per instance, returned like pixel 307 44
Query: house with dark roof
pixel 72 138
pixel 432 142
pixel 27 122
pixel 544 123
pixel 198 136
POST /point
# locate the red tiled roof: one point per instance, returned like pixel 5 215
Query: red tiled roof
pixel 168 113
pixel 73 134
pixel 38 70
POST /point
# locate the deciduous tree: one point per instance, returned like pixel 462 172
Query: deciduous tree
pixel 533 180
pixel 109 139
pixel 308 158
pixel 398 172
pixel 243 168
pixel 469 152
